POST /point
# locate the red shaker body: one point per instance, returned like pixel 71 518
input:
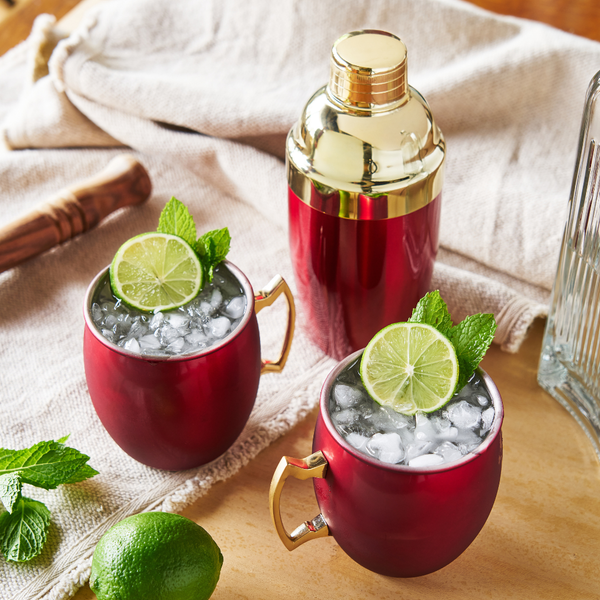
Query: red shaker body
pixel 355 276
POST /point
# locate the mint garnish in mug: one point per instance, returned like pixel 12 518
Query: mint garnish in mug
pixel 24 525
pixel 166 269
pixel 421 364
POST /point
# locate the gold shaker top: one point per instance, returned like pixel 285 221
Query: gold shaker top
pixel 366 145
pixel 368 70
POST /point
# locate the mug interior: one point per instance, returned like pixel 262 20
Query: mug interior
pixel 248 312
pixel 491 436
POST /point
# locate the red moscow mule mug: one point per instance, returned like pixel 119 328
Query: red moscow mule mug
pixel 394 520
pixel 179 412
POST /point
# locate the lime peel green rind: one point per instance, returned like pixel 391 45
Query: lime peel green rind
pixel 156 271
pixel 155 556
pixel 410 367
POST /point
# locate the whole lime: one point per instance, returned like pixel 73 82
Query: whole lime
pixel 155 555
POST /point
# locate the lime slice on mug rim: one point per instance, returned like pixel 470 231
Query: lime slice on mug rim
pixel 410 367
pixel 156 272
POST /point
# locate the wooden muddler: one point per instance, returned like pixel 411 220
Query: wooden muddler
pixel 74 210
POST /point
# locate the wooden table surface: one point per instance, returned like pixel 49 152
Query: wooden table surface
pixel 542 540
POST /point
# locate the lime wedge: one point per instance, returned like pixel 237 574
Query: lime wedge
pixel 156 271
pixel 410 367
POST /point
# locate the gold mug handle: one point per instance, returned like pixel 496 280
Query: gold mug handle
pixel 314 465
pixel 266 297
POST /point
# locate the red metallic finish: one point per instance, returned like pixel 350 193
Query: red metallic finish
pixel 401 521
pixel 175 412
pixel 355 276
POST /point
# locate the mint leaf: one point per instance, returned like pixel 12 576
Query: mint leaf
pixel 212 248
pixel 84 473
pixel 176 219
pixel 45 465
pixel 471 339
pixel 10 490
pixel 432 310
pixel 24 531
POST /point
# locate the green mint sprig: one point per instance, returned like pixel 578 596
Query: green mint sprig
pixel 471 338
pixel 211 248
pixel 24 525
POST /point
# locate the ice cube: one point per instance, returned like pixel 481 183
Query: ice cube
pixel 467 440
pixel 464 414
pixel 217 298
pixel 357 440
pixel 467 448
pixel 487 417
pixel 345 417
pixel 441 424
pixel 176 346
pixel 196 337
pixel 387 447
pixel 110 321
pixel 407 436
pixel 424 430
pixel 467 436
pixel 219 327
pixel 205 308
pixel 132 345
pixel 426 460
pixel 138 329
pixel 380 419
pixel 418 448
pixel 149 342
pixel 448 451
pixel 448 434
pixel 97 313
pixel 108 334
pixel 347 396
pixel 168 335
pixel 236 306
pixel 481 400
pixel 387 419
pixel 156 321
pixel 177 320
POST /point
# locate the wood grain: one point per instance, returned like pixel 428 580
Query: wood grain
pixel 16 21
pixel 74 210
pixel 580 17
pixel 542 539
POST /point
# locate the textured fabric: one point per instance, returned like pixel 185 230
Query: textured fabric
pixel 204 94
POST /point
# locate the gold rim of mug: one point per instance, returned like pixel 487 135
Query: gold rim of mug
pixel 89 323
pixel 328 422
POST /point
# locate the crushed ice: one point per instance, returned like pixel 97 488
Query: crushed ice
pixel 207 319
pixel 421 440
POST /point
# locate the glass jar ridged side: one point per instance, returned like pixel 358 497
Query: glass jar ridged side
pixel 569 366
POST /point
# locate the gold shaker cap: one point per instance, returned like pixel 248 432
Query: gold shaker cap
pixel 368 70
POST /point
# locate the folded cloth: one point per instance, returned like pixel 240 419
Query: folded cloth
pixel 204 94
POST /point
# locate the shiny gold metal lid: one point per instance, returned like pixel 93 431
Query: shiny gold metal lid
pixel 366 145
pixel 368 69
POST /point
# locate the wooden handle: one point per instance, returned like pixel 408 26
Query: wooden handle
pixel 74 210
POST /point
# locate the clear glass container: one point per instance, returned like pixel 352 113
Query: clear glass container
pixel 570 362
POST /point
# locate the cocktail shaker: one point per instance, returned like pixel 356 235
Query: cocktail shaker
pixel 365 166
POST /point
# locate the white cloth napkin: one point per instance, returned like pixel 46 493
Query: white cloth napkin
pixel 204 93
